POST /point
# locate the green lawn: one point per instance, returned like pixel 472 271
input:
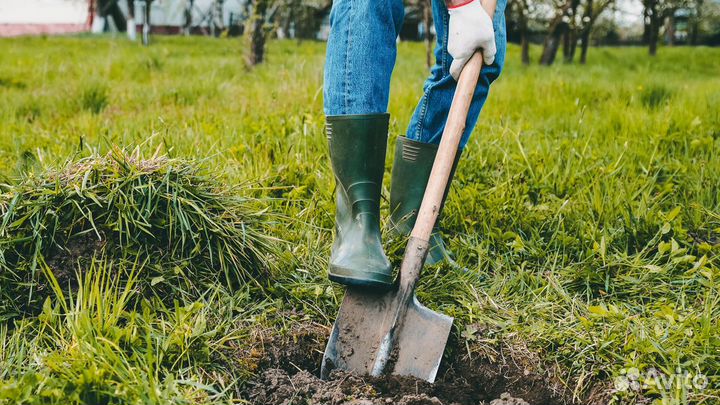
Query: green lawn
pixel 586 210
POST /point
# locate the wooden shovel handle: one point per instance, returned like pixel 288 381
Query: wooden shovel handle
pixel 454 128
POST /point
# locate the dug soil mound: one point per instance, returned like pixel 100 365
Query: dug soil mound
pixel 277 387
pixel 287 375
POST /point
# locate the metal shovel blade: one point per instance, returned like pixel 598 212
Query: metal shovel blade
pixel 357 334
pixel 421 342
pixel 375 332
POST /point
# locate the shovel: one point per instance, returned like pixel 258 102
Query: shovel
pixel 379 331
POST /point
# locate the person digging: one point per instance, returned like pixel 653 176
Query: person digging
pixel 361 53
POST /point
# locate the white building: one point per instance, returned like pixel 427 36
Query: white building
pixel 35 17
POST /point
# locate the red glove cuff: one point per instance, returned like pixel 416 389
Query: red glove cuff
pixel 465 3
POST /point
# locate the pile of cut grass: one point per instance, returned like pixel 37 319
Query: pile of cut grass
pixel 184 228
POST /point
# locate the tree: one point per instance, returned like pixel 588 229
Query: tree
pixel 302 17
pixel 559 26
pixel 146 23
pixel 708 30
pixel 570 34
pixel 299 19
pixel 655 13
pixel 217 25
pixel 696 17
pixel 652 20
pixel 110 9
pixel 256 34
pixel 592 10
pixel 524 11
pixel 188 13
pixel 569 27
pixel 426 8
pixel 423 9
pixel 526 17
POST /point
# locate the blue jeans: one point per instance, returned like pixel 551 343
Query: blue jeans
pixel 361 53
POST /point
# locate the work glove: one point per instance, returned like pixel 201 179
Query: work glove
pixel 470 29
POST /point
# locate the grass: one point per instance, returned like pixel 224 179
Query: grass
pixel 586 210
pixel 163 212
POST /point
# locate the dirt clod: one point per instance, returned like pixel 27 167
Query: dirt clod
pixel 276 387
pixel 507 399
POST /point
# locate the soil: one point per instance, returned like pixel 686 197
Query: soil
pixel 288 371
pixel 80 249
pixel 277 387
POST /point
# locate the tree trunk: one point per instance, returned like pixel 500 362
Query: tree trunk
pixel 117 16
pixel 588 20
pixel 552 44
pixel 146 23
pixel 652 49
pixel 654 34
pixel 256 36
pixel 572 46
pixel 217 25
pixel 101 7
pixel 695 23
pixel 584 45
pixel 670 28
pixel 648 6
pixel 428 22
pixel 552 41
pixel 570 39
pixel 652 25
pixel 646 31
pixel 550 47
pixel 110 9
pixel 285 25
pixel 525 48
pixel 524 42
pixel 187 25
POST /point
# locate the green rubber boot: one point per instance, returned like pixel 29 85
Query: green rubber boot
pixel 410 174
pixel 358 144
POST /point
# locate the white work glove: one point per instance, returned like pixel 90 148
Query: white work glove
pixel 470 29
